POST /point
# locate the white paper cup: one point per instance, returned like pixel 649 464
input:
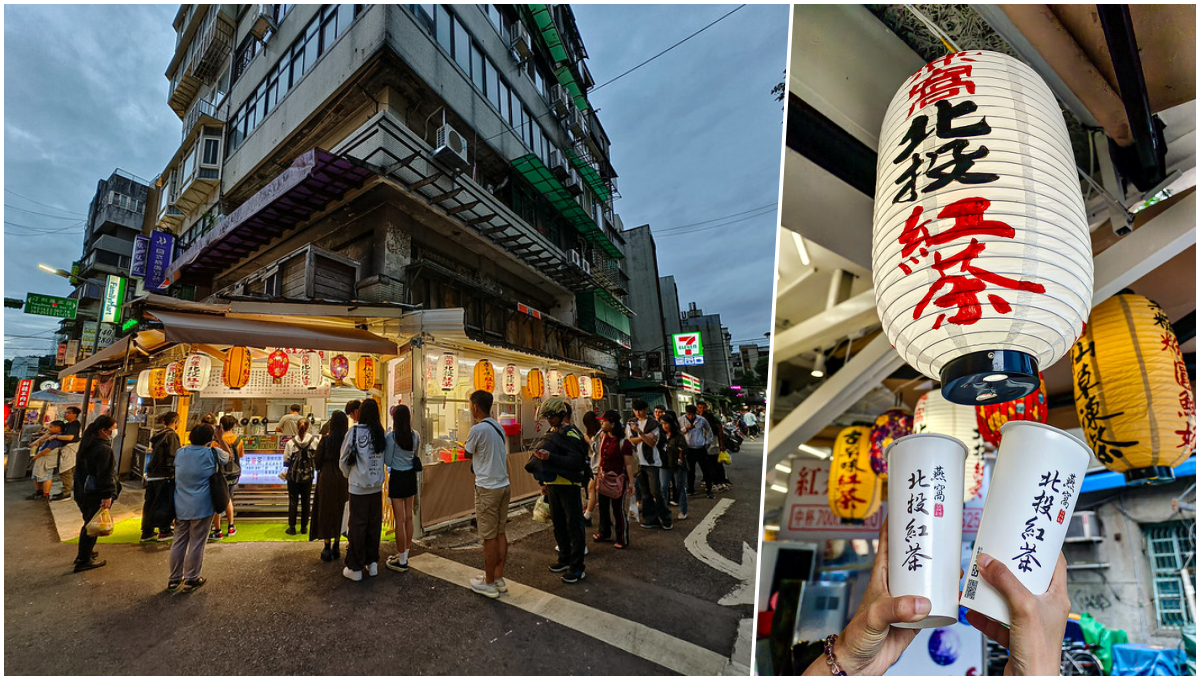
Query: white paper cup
pixel 925 492
pixel 1039 471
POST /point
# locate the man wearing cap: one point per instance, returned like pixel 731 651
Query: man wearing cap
pixel 643 432
pixel 564 463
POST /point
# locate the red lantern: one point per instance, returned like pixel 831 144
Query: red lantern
pixel 1033 407
pixel 277 364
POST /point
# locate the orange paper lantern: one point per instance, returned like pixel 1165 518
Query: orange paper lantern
pixel 597 389
pixel 237 368
pixel 158 383
pixel 855 490
pixel 364 373
pixel 571 386
pixel 485 376
pixel 535 384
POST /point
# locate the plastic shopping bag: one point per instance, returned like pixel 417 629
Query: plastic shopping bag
pixel 101 524
pixel 724 458
pixel 541 511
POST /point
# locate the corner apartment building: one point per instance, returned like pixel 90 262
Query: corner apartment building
pixel 435 155
pixel 115 217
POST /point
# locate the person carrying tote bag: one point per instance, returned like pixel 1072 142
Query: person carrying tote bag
pixel 200 491
pixel 616 469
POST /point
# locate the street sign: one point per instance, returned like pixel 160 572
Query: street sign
pixel 162 250
pixel 13 303
pixel 141 252
pixel 689 382
pixel 689 350
pixel 24 389
pixel 49 305
pixel 114 297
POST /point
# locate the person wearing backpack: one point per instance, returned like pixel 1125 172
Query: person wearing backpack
pixel 226 434
pixel 158 509
pixel 361 461
pixel 299 460
pixel 563 469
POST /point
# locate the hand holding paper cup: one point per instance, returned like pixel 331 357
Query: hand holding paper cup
pixel 1036 481
pixel 925 491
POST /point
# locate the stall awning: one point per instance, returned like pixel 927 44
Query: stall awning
pixel 1102 481
pixel 223 330
pixel 108 358
pixel 313 181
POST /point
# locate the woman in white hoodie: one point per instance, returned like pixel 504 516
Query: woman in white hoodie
pixel 299 457
pixel 362 463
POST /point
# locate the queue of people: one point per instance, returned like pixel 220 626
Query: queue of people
pixel 621 471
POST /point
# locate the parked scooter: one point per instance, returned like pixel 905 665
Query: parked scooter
pixel 733 438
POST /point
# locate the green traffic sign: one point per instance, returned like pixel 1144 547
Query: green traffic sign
pixel 48 305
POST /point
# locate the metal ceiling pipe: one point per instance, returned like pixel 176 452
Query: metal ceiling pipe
pixel 1050 38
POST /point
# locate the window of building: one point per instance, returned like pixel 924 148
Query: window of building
pixel 493 15
pixel 442 25
pixel 1172 547
pixel 477 74
pixel 462 47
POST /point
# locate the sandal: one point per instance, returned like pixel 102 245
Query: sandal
pixel 189 586
pixel 599 538
pixel 172 586
pixel 620 546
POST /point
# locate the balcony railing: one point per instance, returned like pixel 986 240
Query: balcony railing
pixel 200 110
pixel 214 43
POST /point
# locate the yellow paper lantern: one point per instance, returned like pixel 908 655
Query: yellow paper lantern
pixel 597 389
pixel 485 376
pixel 535 385
pixel 1132 391
pixel 571 386
pixel 158 383
pixel 237 368
pixel 364 373
pixel 855 491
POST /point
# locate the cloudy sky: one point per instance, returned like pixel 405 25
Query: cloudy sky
pixel 695 135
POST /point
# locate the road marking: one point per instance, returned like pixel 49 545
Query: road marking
pixel 697 544
pixel 635 638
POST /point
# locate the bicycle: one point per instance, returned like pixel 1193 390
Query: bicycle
pixel 1078 659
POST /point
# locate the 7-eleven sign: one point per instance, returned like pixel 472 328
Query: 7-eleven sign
pixel 690 383
pixel 689 350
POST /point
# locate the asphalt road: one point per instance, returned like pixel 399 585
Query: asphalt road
pixel 275 608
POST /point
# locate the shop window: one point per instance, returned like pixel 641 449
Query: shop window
pixel 1171 547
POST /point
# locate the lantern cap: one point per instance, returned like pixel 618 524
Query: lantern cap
pixel 989 377
pixel 1150 476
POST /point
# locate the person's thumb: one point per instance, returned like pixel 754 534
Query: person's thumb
pixel 997 575
pixel 885 611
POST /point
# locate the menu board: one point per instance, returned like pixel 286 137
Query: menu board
pixel 261 468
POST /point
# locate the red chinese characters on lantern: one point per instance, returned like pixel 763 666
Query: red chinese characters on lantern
pixel 941 79
pixel 1187 404
pixel 966 281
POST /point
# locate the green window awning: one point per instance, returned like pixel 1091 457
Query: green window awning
pixel 589 175
pixel 543 21
pixel 545 183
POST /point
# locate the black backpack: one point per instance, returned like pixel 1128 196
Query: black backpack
pixel 300 467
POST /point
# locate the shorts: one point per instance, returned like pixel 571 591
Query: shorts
pixel 491 511
pixel 402 484
pixel 43 469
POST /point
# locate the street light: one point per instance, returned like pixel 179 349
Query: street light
pixel 818 369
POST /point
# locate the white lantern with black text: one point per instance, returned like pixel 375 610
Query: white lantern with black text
pixel 143 384
pixel 585 387
pixel 196 372
pixel 935 414
pixel 510 380
pixel 312 373
pixel 173 379
pixel 554 382
pixel 447 372
pixel 981 256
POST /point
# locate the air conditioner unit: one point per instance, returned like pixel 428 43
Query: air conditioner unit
pixel 558 164
pixel 451 148
pixel 577 123
pixel 571 183
pixel 574 257
pixel 560 101
pixel 587 267
pixel 263 21
pixel 518 39
pixel 1083 527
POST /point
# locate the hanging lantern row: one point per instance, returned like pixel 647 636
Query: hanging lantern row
pixel 891 425
pixel 1132 391
pixel 1033 407
pixel 934 413
pixel 855 490
pixel 981 254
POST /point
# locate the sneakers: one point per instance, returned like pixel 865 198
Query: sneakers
pixel 485 589
pixel 573 577
pixel 351 574
pixel 216 535
pixel 189 586
pixel 231 530
pixel 165 536
pixel 373 569
pixel 34 497
pixel 395 564
pixel 501 585
pixel 559 568
pixel 674 503
pixel 327 555
pixel 61 497
pixel 682 515
pixel 666 527
pixel 152 538
pixel 92 563
pixel 651 526
pixel 291 531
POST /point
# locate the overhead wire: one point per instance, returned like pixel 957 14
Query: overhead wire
pixel 46 205
pixel 772 204
pixel 34 212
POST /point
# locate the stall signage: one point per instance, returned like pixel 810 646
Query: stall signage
pixel 49 305
pixel 261 384
pixel 61 357
pixel 807 516
pixel 162 250
pixel 114 297
pixel 141 249
pixel 24 389
pixel 261 468
pixel 689 350
pixel 690 382
pixel 72 353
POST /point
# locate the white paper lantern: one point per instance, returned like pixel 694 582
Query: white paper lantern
pixel 585 387
pixel 935 414
pixel 554 382
pixel 172 378
pixel 312 374
pixel 143 384
pixel 447 372
pixel 196 372
pixel 510 380
pixel 982 258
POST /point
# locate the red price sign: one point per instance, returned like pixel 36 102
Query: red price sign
pixel 23 391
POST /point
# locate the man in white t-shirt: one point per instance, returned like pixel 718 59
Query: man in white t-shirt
pixel 486 448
